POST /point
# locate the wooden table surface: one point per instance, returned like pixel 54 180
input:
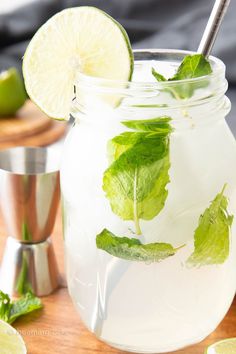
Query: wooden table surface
pixel 57 329
pixel 30 127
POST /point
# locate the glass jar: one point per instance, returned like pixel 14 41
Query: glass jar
pixel 149 191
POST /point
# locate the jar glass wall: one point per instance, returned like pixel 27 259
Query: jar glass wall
pixel 144 160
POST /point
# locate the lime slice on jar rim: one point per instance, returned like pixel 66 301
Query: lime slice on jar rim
pixel 11 341
pixel 83 39
pixel 225 346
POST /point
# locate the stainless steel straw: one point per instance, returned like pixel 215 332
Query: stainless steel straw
pixel 209 36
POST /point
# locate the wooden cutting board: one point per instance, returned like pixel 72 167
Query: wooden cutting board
pixel 30 127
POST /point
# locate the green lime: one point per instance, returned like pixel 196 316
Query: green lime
pixel 226 346
pixel 11 341
pixel 12 92
pixel 81 39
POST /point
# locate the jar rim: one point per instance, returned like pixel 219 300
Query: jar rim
pixel 154 54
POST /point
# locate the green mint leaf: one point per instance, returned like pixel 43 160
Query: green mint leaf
pixel 11 310
pixel 160 125
pixel 23 306
pixel 192 66
pixel 211 238
pixel 5 306
pixel 161 105
pixel 158 76
pixel 119 144
pixel 132 249
pixel 137 176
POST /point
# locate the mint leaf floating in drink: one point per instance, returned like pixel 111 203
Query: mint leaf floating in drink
pixel 132 249
pixel 192 66
pixel 211 238
pixel 135 182
pixel 158 76
pixel 11 310
pixel 161 105
pixel 159 125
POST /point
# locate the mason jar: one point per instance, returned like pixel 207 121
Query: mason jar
pixel 148 180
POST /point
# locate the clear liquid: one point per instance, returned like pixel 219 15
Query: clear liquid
pixel 157 307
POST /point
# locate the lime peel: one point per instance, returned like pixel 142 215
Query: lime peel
pixel 11 341
pixel 225 346
pixel 12 92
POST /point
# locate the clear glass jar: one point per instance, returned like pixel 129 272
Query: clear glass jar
pixel 149 303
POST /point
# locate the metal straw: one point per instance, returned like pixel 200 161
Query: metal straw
pixel 209 36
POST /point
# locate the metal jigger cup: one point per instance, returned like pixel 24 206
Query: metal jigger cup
pixel 29 198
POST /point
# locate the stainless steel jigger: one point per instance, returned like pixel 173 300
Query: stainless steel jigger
pixel 29 197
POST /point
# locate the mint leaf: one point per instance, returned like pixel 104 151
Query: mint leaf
pixel 5 306
pixel 211 238
pixel 132 249
pixel 158 76
pixel 137 176
pixel 23 306
pixel 192 66
pixel 160 125
pixel 161 105
pixel 11 310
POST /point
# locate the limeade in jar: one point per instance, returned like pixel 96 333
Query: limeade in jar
pixel 153 305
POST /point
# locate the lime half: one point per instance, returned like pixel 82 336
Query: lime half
pixel 11 341
pixel 226 346
pixel 12 92
pixel 81 39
